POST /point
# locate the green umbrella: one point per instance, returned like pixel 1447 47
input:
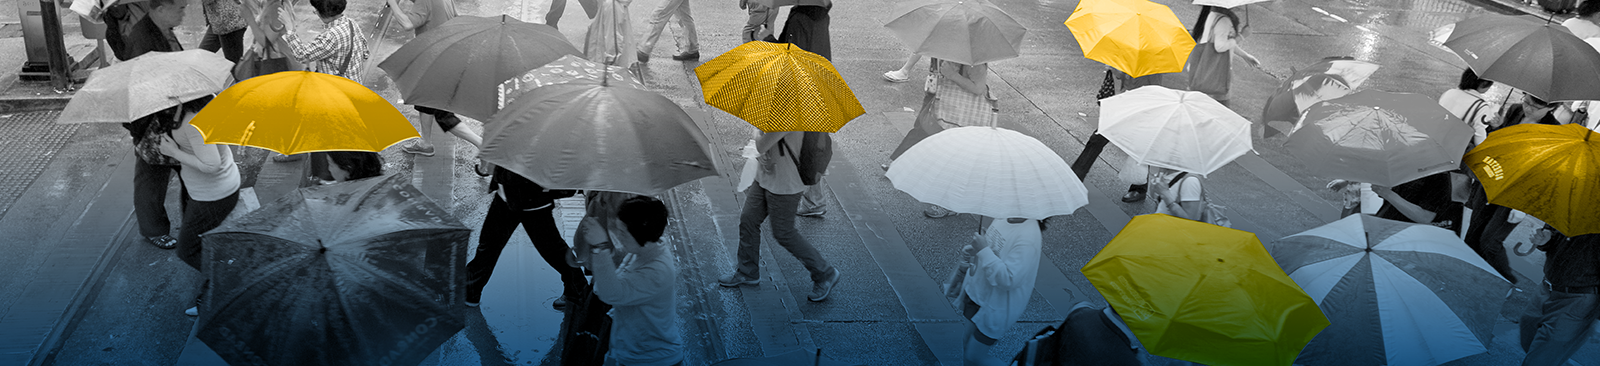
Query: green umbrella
pixel 458 66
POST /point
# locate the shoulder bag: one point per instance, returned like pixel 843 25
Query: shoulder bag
pixel 962 108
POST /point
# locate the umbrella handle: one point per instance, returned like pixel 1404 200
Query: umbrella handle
pixel 818 360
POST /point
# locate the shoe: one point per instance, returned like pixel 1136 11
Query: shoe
pixel 473 297
pixel 1133 196
pixel 644 56
pixel 560 304
pixel 686 56
pixel 287 158
pixel 163 241
pixel 414 149
pixel 813 213
pixel 481 171
pixel 885 167
pixel 936 212
pixel 821 290
pixel 734 280
pixel 896 76
pixel 194 311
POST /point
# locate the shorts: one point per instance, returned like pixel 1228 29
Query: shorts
pixel 445 119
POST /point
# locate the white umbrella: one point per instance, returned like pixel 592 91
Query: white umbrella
pixel 1175 129
pixel 989 171
pixel 149 83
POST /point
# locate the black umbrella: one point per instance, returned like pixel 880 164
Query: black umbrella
pixel 365 272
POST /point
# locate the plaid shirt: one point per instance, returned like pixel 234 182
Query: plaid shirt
pixel 332 52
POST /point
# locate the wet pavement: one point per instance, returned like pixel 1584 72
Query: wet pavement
pixel 108 298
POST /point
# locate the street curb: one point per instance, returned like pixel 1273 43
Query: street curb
pixel 10 105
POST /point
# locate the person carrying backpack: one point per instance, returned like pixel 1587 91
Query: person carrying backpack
pixel 776 193
pixel 1089 336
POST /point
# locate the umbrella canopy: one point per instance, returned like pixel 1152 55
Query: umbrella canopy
pixel 294 112
pixel 1175 129
pixel 1550 172
pixel 793 358
pixel 1136 36
pixel 1379 137
pixel 583 135
pixel 779 87
pixel 1529 53
pixel 1331 78
pixel 457 66
pixel 151 82
pixel 1203 293
pixel 964 31
pixel 989 171
pixel 1397 293
pixel 565 69
pixel 365 272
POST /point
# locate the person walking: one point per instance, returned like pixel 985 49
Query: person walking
pixel 807 28
pixel 1115 83
pixel 759 26
pixel 426 15
pixel 210 189
pixel 776 191
pixel 688 46
pixel 641 287
pixel 610 39
pixel 1178 193
pixel 960 78
pixel 1490 224
pixel 151 33
pixel 1555 328
pixel 225 28
pixel 1210 63
pixel 1005 265
pixel 337 51
pixel 519 201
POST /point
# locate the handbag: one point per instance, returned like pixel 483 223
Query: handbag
pixel 149 147
pixel 588 333
pixel 962 108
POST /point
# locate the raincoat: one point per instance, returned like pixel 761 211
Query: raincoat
pixel 610 37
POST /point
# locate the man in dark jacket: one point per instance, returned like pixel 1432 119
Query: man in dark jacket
pixel 152 33
pixel 519 201
pixel 1556 328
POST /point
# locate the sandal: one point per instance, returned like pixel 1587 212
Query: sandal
pixel 163 241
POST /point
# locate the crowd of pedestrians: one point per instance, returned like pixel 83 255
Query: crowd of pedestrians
pixel 620 240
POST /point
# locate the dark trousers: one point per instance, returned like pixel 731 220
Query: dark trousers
pixel 1487 232
pixel 1555 328
pixel 499 224
pixel 150 184
pixel 759 205
pixel 231 44
pixel 200 217
pixel 1091 152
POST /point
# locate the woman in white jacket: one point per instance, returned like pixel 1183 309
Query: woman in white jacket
pixel 1005 263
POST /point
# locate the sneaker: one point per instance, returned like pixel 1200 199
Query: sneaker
pixel 1133 196
pixel 644 56
pixel 419 149
pixel 163 241
pixel 813 213
pixel 560 304
pixel 821 290
pixel 896 76
pixel 287 158
pixel 686 56
pixel 734 280
pixel 473 297
pixel 936 212
pixel 194 311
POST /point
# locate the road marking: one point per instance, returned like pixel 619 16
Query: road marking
pixel 1330 15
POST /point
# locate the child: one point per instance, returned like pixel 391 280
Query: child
pixel 640 286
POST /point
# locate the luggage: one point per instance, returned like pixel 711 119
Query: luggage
pixel 1558 6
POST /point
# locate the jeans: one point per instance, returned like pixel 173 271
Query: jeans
pixel 150 197
pixel 231 44
pixel 499 224
pixel 658 22
pixel 1554 330
pixel 200 217
pixel 758 204
pixel 760 23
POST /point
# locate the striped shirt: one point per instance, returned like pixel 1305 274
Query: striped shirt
pixel 332 52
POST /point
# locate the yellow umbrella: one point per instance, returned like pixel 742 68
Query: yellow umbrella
pixel 1136 36
pixel 1550 172
pixel 296 112
pixel 1204 293
pixel 779 87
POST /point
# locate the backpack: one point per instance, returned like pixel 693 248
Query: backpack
pixel 816 151
pixel 1210 213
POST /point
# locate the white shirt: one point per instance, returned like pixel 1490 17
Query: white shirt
pixel 203 186
pixel 784 175
pixel 1002 275
pixel 1187 191
pixel 1582 28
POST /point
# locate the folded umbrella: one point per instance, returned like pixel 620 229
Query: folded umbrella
pixel 989 171
pixel 963 31
pixel 1175 129
pixel 1204 293
pixel 458 66
pixel 1136 36
pixel 294 112
pixel 146 84
pixel 365 272
pixel 1528 53
pixel 1379 137
pixel 1550 172
pixel 779 87
pixel 565 69
pixel 1397 293
pixel 1331 78
pixel 587 135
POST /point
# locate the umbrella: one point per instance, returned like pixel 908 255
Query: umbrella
pixel 964 31
pixel 777 3
pixel 1228 3
pixel 146 84
pixel 1550 172
pixel 1398 293
pixel 1536 56
pixel 793 358
pixel 1203 293
pixel 1379 137
pixel 989 171
pixel 365 272
pixel 779 87
pixel 1330 78
pixel 457 66
pixel 294 112
pixel 565 69
pixel 1136 36
pixel 585 135
pixel 1175 129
